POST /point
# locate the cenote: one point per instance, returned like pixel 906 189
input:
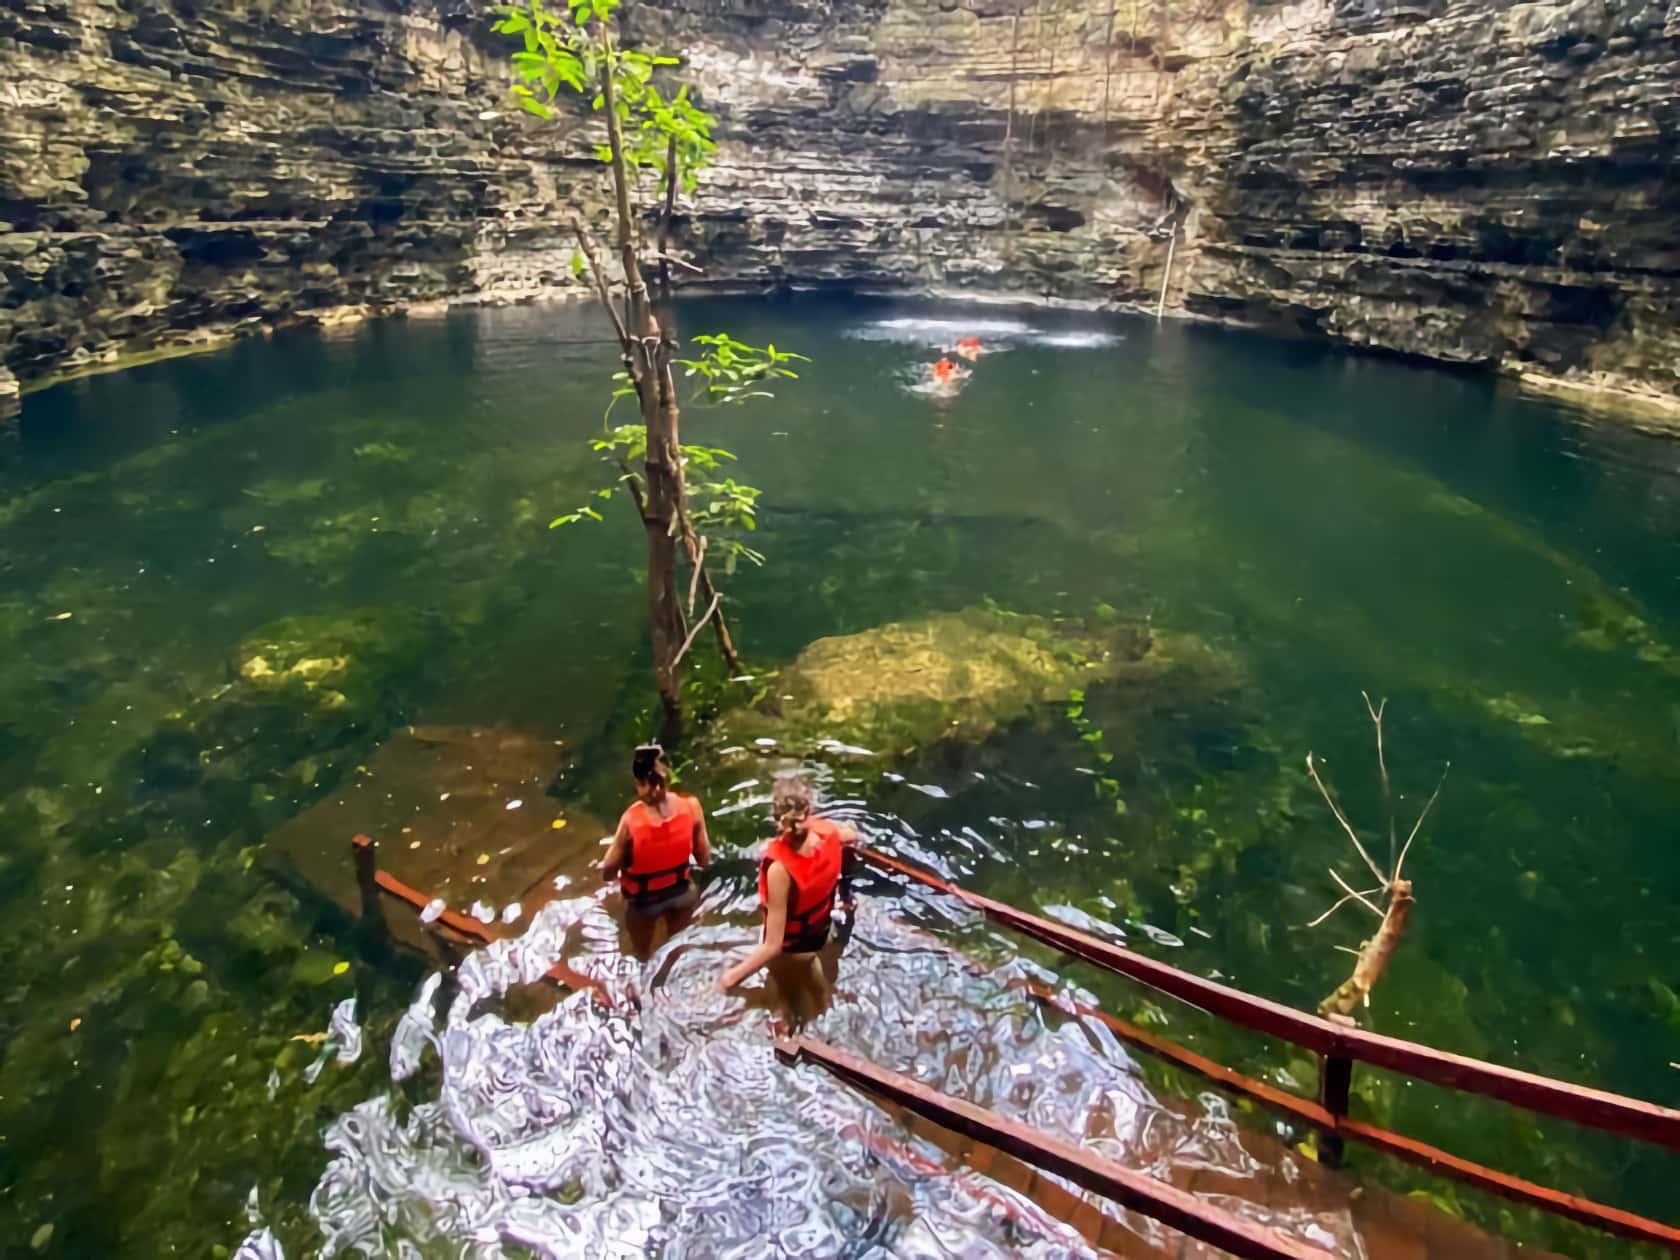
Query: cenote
pixel 1297 525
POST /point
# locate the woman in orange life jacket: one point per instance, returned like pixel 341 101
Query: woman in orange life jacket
pixel 797 882
pixel 660 838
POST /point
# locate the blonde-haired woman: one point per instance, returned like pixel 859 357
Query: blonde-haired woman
pixel 798 879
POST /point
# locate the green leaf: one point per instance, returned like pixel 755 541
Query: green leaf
pixel 532 106
pixel 577 264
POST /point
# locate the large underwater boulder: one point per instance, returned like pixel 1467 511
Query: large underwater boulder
pixel 959 677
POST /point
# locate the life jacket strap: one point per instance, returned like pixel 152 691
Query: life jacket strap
pixel 642 881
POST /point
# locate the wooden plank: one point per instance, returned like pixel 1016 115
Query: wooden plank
pixel 458 923
pixel 559 973
pixel 1612 1220
pixel 1614 1113
pixel 1176 1208
pixel 1179 1056
pixel 1628 1117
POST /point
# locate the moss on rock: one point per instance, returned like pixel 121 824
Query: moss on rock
pixel 954 677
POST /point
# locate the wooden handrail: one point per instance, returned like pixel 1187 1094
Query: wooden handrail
pixel 1180 1209
pixel 366 853
pixel 1304 1111
pixel 1338 1047
pixel 375 881
pixel 1614 1113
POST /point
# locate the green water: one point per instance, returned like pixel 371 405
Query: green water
pixel 1505 573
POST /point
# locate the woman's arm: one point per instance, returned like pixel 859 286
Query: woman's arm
pixel 702 842
pixel 775 927
pixel 618 854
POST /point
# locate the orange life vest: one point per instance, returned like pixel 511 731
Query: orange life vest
pixel 943 369
pixel 660 848
pixel 814 871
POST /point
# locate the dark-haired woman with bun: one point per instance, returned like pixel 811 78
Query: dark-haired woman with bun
pixel 660 839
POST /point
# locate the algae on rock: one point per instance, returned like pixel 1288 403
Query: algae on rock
pixel 956 676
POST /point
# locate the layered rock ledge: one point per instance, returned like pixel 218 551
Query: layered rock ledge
pixel 1475 181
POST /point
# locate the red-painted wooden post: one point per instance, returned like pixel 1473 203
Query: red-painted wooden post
pixel 366 853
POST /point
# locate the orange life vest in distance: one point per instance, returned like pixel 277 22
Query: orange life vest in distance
pixel 661 849
pixel 814 871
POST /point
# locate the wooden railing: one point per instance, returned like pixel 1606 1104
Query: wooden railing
pixel 1180 1209
pixel 1338 1048
pixel 372 882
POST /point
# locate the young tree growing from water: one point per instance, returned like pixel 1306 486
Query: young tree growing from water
pixel 651 136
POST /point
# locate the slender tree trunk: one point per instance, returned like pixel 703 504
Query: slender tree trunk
pixel 664 491
pixel 651 372
pixel 664 237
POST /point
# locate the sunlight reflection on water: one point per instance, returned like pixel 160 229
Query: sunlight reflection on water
pixel 657 1121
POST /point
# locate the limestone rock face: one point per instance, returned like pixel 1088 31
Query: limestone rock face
pixel 1477 181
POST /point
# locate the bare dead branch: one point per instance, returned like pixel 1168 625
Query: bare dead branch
pixel 1352 896
pixel 1382 767
pixel 695 629
pixel 665 220
pixel 587 245
pixel 1342 818
pixel 698 556
pixel 633 487
pixel 1360 897
pixel 1374 955
pixel 683 263
pixel 1419 824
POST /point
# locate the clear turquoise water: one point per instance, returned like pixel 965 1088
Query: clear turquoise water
pixel 1505 572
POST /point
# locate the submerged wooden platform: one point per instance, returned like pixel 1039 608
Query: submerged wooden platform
pixel 460 812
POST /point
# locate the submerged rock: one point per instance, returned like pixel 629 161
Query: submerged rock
pixel 957 677
pixel 324 663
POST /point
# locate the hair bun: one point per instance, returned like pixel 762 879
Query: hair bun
pixel 646 761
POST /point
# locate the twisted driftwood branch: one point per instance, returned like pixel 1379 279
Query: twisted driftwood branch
pixel 1373 955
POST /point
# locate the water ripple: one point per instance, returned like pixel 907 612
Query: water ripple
pixel 654 1118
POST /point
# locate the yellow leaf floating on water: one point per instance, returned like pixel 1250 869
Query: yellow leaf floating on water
pixel 484 859
pixel 64 616
pixel 340 968
pixel 75 1023
pixel 558 824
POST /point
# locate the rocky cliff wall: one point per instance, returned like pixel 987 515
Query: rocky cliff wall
pixel 1470 180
